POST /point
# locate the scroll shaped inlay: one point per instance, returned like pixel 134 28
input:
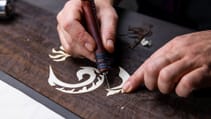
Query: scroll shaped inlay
pixel 94 81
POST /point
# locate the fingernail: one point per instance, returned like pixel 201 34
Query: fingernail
pixel 110 43
pixel 122 91
pixel 89 47
pixel 126 88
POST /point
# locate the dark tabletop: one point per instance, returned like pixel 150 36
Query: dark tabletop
pixel 26 42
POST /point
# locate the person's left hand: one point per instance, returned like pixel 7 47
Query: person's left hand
pixel 183 65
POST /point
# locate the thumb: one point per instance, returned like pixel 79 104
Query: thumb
pixel 108 21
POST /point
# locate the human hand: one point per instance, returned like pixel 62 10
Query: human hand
pixel 183 65
pixel 74 37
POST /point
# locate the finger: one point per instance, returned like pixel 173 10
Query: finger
pixel 152 69
pixel 81 51
pixel 108 21
pixel 72 10
pixel 191 81
pixel 69 20
pixel 76 50
pixel 154 65
pixel 171 74
pixel 86 45
pixel 148 72
pixel 63 37
pixel 134 81
pixel 80 36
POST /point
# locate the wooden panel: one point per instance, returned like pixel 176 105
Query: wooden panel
pixel 26 42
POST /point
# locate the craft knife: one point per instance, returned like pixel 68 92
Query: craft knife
pixel 103 60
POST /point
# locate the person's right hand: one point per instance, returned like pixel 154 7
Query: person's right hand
pixel 73 36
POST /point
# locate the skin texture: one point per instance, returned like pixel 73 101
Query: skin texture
pixel 73 36
pixel 182 65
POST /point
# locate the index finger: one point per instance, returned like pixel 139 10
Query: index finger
pixel 134 81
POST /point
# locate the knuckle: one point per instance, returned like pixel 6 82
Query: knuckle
pixel 65 20
pixel 81 35
pixel 164 76
pixel 115 16
pixel 57 27
pixel 67 48
pixel 109 12
pixel 150 68
pixel 181 42
pixel 64 24
pixel 67 25
pixel 58 17
pixel 177 40
pixel 68 4
pixel 164 82
pixel 61 14
pixel 109 34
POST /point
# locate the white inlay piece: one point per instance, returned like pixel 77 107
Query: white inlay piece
pixel 59 55
pixel 93 82
pixel 115 90
pixel 112 92
pixel 122 108
pixel 145 42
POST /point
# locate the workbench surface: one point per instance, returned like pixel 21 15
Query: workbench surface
pixel 27 41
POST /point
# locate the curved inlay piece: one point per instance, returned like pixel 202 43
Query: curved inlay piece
pixel 59 55
pixel 94 81
pixel 124 76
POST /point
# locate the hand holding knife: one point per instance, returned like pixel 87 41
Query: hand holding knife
pixel 103 61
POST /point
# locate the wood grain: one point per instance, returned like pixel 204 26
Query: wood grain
pixel 26 42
